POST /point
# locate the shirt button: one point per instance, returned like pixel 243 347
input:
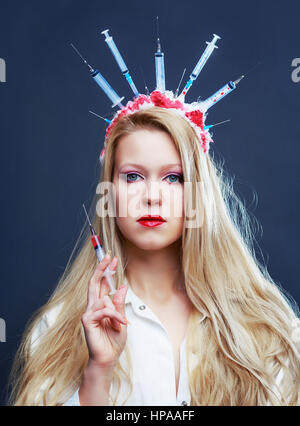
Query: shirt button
pixel 142 307
pixel 184 403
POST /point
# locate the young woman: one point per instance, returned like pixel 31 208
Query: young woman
pixel 207 324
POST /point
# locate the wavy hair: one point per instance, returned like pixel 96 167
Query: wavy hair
pixel 247 318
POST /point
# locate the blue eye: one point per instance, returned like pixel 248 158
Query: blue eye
pixel 130 174
pixel 172 176
pixel 180 178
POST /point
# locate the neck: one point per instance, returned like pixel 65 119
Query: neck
pixel 155 275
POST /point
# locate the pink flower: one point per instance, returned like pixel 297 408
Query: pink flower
pixel 160 100
pixel 196 117
pixel 139 101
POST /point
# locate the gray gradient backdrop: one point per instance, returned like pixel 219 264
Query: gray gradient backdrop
pixel 50 143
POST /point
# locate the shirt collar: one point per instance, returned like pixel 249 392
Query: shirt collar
pixel 132 298
pixel 129 295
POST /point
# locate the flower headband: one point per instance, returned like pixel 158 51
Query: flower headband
pixel 194 113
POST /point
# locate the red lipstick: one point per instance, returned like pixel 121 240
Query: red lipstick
pixel 151 221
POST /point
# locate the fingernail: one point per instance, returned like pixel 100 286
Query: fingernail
pixel 108 252
pixel 113 264
pixel 126 320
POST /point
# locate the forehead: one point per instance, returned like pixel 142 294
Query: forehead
pixel 147 147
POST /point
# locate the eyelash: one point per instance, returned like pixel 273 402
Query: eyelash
pixel 180 177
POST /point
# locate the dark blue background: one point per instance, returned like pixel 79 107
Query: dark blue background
pixel 50 143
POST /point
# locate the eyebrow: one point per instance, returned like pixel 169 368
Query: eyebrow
pixel 164 167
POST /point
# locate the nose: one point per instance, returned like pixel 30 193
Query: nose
pixel 153 193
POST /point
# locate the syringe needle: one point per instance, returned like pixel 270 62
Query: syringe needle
pixel 221 122
pixel 244 75
pixel 159 64
pixel 209 126
pixel 97 244
pixel 177 90
pixel 239 79
pixel 100 116
pixel 93 232
pixel 147 90
pixel 251 69
pixel 87 215
pixel 79 54
pixel 157 32
pixel 97 115
pixel 100 80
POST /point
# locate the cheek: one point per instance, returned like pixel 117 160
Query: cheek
pixel 120 195
pixel 176 203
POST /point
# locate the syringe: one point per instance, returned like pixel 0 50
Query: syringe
pixel 100 80
pixel 220 94
pixel 216 124
pixel 159 66
pixel 177 90
pixel 100 254
pixel 196 71
pixel 114 50
pixel 103 118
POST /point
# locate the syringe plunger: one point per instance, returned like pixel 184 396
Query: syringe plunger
pixel 107 89
pixel 220 94
pixel 120 61
pixel 160 71
pixel 200 64
pixel 159 65
pixel 100 80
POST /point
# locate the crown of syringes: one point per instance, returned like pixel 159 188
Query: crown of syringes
pixel 194 112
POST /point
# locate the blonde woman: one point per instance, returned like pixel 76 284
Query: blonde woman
pixel 207 324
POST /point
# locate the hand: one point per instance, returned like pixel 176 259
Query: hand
pixel 103 321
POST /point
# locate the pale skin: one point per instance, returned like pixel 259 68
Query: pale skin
pixel 153 269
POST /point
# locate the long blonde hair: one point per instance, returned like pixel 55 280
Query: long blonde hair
pixel 246 334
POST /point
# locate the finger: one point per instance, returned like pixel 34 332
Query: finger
pixel 104 288
pixel 99 304
pixel 119 299
pixel 109 304
pixel 106 313
pixel 100 268
pixel 114 263
pixel 91 296
pixel 104 302
pixel 93 287
pixel 96 278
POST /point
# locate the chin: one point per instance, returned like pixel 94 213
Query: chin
pixel 151 247
pixel 147 242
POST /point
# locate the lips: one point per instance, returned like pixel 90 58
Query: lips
pixel 154 218
pixel 151 221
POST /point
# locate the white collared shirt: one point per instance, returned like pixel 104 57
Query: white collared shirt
pixel 152 360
